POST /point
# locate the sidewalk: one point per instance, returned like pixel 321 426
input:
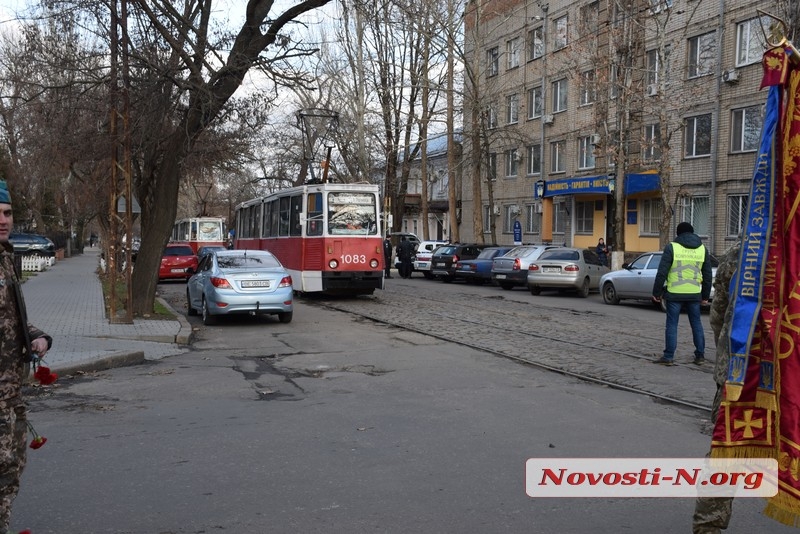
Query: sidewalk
pixel 66 301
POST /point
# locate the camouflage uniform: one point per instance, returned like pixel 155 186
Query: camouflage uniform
pixel 712 514
pixel 14 362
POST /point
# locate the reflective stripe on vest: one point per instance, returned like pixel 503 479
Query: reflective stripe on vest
pixel 685 275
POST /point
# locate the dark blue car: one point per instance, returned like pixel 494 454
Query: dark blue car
pixel 479 270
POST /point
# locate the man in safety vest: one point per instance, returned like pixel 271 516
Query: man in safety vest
pixel 683 281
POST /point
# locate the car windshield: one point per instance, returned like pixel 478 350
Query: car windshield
pixel 517 252
pixel 556 254
pixel 179 251
pixel 246 262
pixel 444 251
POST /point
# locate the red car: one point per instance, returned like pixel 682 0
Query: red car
pixel 175 261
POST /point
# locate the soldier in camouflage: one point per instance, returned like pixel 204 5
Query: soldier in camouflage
pixel 712 514
pixel 18 342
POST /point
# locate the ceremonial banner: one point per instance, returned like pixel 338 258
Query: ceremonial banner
pixel 760 412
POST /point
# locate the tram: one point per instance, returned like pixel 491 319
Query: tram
pixel 199 232
pixel 326 235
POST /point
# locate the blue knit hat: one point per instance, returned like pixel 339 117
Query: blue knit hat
pixel 5 197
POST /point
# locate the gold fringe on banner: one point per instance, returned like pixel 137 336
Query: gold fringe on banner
pixel 784 508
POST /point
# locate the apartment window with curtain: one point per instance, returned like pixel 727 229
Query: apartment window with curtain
pixel 488 216
pixel 585 152
pixel 737 214
pixel 491 116
pixel 512 160
pixel 746 129
pixel 651 67
pixel 560 218
pixel 509 217
pixel 492 62
pixel 533 219
pixel 584 218
pixel 696 212
pixel 535 103
pixel 512 109
pixel 698 136
pixel 536 43
pixel 559 95
pixel 512 53
pixel 560 37
pixel 587 88
pixel 534 159
pixel 750 43
pixel 652 143
pixel 491 167
pixel 558 151
pixel 649 216
pixel 590 15
pixel 702 55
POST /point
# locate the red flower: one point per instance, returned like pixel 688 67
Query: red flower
pixel 38 442
pixel 26 531
pixel 44 376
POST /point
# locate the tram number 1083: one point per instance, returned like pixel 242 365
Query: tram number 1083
pixel 353 258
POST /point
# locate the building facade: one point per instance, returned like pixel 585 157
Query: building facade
pixel 595 118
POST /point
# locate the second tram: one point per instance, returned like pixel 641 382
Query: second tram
pixel 326 235
pixel 199 232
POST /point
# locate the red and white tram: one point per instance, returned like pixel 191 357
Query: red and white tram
pixel 326 235
pixel 199 232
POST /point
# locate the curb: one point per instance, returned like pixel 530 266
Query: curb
pixel 119 359
pixel 184 336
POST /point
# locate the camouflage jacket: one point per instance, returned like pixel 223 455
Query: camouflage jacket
pixel 15 332
pixel 720 318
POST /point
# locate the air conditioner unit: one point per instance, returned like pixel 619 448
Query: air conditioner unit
pixel 496 209
pixel 538 207
pixel 596 139
pixel 548 119
pixel 652 90
pixel 514 209
pixel 730 76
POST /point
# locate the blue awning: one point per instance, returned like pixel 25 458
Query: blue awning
pixel 641 183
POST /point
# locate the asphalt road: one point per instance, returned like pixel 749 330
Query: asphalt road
pixel 341 423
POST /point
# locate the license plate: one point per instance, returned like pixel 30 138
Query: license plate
pixel 551 270
pixel 439 265
pixel 500 276
pixel 423 264
pixel 177 270
pixel 255 283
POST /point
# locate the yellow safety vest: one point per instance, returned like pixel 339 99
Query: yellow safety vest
pixel 686 273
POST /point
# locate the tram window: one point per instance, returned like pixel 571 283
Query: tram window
pixel 265 232
pixel 285 204
pixel 275 218
pixel 314 215
pixel 297 206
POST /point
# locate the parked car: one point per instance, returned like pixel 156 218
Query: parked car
pixel 445 258
pixel 479 270
pixel 511 269
pixel 32 244
pixel 635 280
pixel 229 282
pixel 176 261
pixel 202 251
pixel 566 268
pixel 422 260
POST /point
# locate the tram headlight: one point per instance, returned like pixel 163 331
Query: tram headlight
pixel 333 264
pixel 373 263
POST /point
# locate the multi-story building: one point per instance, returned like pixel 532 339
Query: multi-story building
pixel 597 118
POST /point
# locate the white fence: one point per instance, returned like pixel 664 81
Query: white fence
pixel 36 263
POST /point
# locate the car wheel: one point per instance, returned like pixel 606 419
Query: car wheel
pixel 208 319
pixel 427 275
pixel 448 279
pixel 189 309
pixel 536 290
pixel 506 286
pixel 285 317
pixel 610 294
pixel 583 292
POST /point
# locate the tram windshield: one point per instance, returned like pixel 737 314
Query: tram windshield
pixel 352 213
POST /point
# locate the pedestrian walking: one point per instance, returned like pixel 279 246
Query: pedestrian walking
pixel 405 251
pixel 387 257
pixel 712 514
pixel 683 281
pixel 19 341
pixel 602 252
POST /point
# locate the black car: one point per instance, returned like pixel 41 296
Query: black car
pixel 445 258
pixel 32 244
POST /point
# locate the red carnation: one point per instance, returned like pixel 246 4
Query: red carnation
pixel 38 442
pixel 44 376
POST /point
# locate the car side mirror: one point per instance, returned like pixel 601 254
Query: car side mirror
pixel 190 270
pixel 626 266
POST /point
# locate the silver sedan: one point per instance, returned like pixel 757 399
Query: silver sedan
pixel 229 282
pixel 566 268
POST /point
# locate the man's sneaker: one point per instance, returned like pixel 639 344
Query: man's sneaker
pixel 699 360
pixel 664 361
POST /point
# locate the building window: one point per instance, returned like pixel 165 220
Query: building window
pixel 696 212
pixel 651 66
pixel 559 95
pixel 536 43
pixel 587 88
pixel 584 218
pixel 746 129
pixel 737 214
pixel 652 143
pixel 656 6
pixel 650 218
pixel 492 62
pixel 488 215
pixel 560 217
pixel 509 216
pixel 589 25
pixel 750 44
pixel 557 154
pixel 535 103
pixel 613 88
pixel 512 159
pixel 491 116
pixel 534 159
pixel 491 167
pixel 702 55
pixel 512 53
pixel 585 152
pixel 512 109
pixel 698 136
pixel 560 32
pixel 533 218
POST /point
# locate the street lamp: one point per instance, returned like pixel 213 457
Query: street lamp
pixel 540 189
pixel 612 182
